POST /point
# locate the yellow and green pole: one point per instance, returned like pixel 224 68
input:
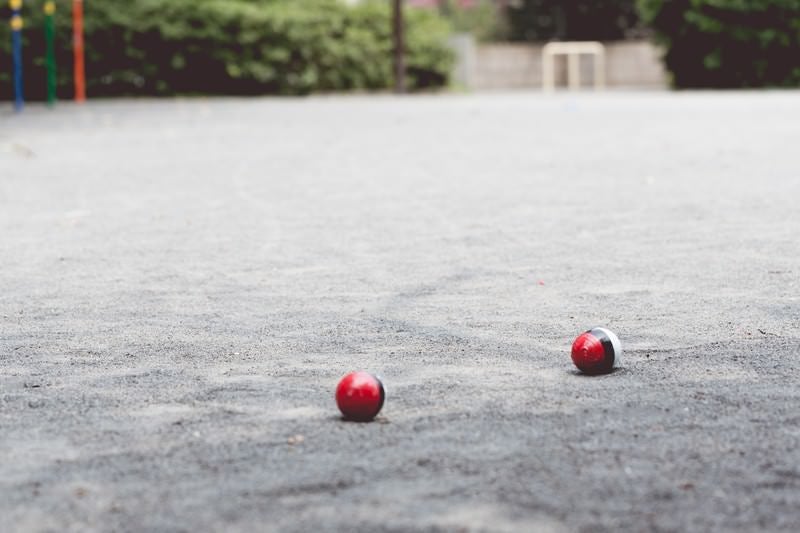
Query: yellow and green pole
pixel 16 51
pixel 50 52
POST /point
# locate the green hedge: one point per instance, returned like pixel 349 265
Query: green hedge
pixel 728 43
pixel 165 47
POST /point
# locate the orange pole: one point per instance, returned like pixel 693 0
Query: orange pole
pixel 77 43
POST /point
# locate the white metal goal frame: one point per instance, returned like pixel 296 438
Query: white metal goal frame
pixel 573 50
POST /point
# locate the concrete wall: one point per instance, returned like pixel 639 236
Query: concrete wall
pixel 633 64
pixel 507 66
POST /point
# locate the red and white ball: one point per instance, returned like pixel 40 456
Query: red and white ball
pixel 596 351
pixel 360 396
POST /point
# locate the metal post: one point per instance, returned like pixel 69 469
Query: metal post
pixel 50 54
pixel 16 52
pixel 574 70
pixel 77 43
pixel 399 46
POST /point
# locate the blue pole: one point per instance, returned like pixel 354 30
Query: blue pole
pixel 16 51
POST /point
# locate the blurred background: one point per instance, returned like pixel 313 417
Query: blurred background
pixel 184 280
pixel 297 47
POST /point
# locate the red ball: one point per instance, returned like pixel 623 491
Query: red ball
pixel 360 396
pixel 596 351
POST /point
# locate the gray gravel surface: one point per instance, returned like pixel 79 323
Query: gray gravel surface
pixel 183 282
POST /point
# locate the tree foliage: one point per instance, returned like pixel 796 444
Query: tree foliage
pixel 572 20
pixel 728 43
pixel 484 19
pixel 163 47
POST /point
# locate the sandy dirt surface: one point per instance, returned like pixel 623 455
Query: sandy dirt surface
pixel 182 284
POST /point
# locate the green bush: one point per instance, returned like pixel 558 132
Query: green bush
pixel 728 43
pixel 165 47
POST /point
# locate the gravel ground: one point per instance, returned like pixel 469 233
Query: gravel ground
pixel 183 282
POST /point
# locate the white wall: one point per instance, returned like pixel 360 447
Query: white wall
pixel 631 64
